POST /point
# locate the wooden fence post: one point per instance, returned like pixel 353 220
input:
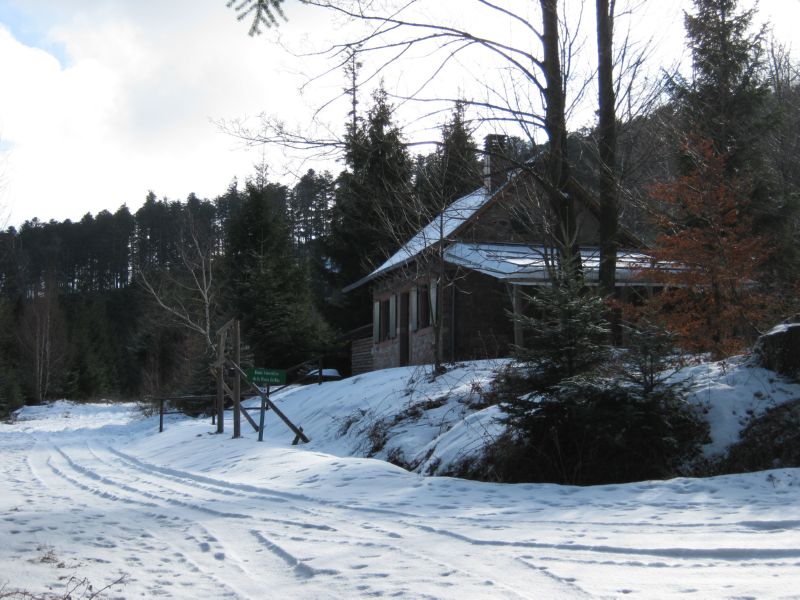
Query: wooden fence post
pixel 220 382
pixel 160 415
pixel 298 431
pixel 263 411
pixel 237 386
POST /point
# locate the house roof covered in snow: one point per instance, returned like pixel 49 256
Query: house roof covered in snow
pixel 529 265
pixel 442 227
pixel 518 263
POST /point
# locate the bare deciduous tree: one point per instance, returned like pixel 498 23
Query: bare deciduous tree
pixel 189 292
pixel 42 337
pixel 535 95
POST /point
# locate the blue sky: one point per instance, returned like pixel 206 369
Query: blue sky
pixel 104 100
pixel 31 28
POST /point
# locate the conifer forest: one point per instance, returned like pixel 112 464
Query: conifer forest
pixel 702 166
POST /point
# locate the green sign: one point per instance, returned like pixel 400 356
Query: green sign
pixel 262 376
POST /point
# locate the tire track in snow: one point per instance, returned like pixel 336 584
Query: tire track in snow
pixel 676 553
pixel 229 491
pixel 129 542
pixel 413 557
pixel 423 553
pixel 191 540
pixel 488 569
pixel 302 567
pixel 725 554
pixel 290 536
pixel 577 553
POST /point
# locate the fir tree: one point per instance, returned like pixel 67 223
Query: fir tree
pixel 727 119
pixel 270 289
pixel 724 98
pixel 264 13
pixel 370 217
pixel 449 173
pixel 565 329
pixel 372 194
pixel 725 101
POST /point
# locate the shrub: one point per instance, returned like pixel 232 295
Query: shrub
pixel 10 393
pixel 589 432
pixel 565 328
pixel 769 441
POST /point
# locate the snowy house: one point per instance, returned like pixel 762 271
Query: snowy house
pixel 471 263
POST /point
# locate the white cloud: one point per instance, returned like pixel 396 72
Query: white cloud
pixel 120 95
pixel 131 109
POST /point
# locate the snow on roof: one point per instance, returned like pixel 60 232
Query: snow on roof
pixel 525 264
pixel 440 228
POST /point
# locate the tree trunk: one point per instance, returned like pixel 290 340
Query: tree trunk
pixel 557 166
pixel 607 143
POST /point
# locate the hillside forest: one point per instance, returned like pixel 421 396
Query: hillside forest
pixel 124 304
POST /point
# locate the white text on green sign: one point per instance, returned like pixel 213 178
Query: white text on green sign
pixel 262 376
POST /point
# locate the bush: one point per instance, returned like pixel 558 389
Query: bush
pixel 10 393
pixel 587 432
pixel 565 328
pixel 768 442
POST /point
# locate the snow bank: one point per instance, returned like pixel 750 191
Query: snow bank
pixel 190 514
pixel 93 491
pixel 731 392
pixel 426 423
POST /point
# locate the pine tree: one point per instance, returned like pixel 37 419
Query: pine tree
pixel 725 101
pixel 452 171
pixel 565 328
pixel 270 290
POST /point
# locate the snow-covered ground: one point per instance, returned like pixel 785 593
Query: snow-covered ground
pixel 93 491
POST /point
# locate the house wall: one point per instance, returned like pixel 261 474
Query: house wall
pixel 475 303
pixel 386 353
pixel 498 223
pixel 361 356
pixel 422 346
pixel 519 216
pixel 484 328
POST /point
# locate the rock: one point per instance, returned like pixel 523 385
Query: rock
pixel 779 349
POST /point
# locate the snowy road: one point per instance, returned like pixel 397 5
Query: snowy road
pixel 191 515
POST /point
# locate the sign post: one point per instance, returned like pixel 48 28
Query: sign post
pixel 269 376
pixel 264 398
pixel 262 376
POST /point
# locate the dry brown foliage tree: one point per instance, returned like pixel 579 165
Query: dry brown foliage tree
pixel 709 258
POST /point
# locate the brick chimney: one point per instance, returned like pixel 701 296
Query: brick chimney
pixel 495 162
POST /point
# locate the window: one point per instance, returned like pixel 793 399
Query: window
pixel 433 292
pixel 384 319
pixel 392 309
pixel 423 307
